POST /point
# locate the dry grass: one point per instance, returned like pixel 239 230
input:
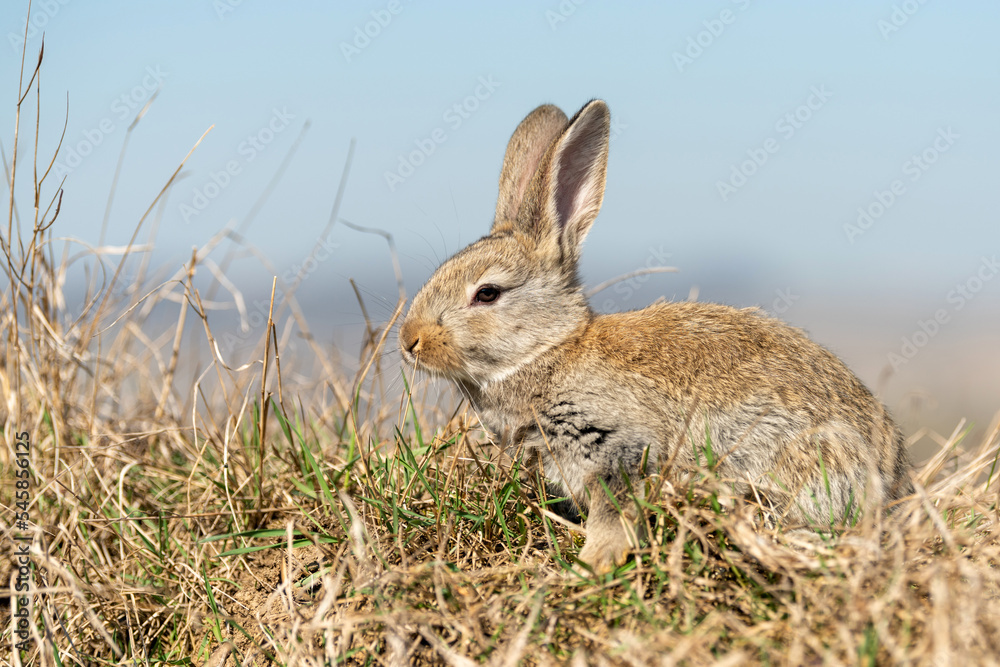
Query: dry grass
pixel 246 517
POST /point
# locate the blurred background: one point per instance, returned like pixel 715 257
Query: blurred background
pixel 835 165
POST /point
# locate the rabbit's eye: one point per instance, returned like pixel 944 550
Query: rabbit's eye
pixel 486 294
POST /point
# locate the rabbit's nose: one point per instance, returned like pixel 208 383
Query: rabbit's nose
pixel 409 338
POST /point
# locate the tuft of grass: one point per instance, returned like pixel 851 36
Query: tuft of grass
pixel 237 516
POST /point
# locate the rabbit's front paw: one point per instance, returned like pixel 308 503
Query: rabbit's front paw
pixel 604 550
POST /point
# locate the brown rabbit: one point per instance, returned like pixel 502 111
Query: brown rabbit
pixel 593 396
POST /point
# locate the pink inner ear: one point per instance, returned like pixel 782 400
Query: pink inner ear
pixel 575 185
pixel 572 194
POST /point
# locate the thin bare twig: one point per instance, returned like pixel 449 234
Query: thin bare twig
pixel 600 287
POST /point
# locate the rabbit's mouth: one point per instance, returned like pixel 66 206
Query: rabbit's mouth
pixel 427 346
pixel 416 362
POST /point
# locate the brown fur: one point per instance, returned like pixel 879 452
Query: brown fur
pixel 592 396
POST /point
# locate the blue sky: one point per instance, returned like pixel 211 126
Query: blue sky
pixel 822 108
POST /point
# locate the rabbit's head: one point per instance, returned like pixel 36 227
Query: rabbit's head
pixel 499 303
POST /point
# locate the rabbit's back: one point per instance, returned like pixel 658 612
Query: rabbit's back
pixel 724 355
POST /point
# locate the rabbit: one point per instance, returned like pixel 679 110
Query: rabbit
pixel 600 399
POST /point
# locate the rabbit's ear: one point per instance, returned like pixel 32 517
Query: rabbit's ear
pixel 574 178
pixel 524 151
